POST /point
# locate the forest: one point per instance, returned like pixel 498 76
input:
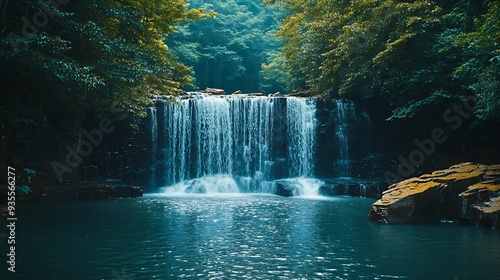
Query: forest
pixel 67 64
pixel 243 139
pixel 408 54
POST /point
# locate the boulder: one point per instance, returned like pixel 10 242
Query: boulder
pixel 215 91
pixel 465 192
pixel 259 94
pixel 286 188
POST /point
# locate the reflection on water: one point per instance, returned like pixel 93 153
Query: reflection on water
pixel 242 237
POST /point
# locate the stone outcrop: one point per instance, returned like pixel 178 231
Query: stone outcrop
pixel 464 192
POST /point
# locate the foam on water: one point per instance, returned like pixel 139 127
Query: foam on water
pixel 224 184
pixel 210 185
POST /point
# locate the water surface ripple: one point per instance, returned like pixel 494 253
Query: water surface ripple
pixel 241 237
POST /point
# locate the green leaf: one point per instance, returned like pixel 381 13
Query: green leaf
pixel 24 189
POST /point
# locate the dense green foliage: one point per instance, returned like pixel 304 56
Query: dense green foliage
pixel 479 70
pixel 408 54
pixel 227 52
pixel 67 62
pixel 66 65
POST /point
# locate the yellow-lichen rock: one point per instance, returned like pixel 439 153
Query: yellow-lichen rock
pixel 464 192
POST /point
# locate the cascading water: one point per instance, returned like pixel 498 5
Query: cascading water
pixel 212 135
pixel 177 124
pixel 345 110
pixel 244 138
pixel 154 142
pixel 301 136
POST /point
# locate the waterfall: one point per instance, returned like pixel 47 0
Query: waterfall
pixel 244 138
pixel 345 111
pixel 177 127
pixel 212 135
pixel 249 143
pixel 301 134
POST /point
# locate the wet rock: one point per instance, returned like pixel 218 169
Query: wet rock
pixel 351 187
pixel 465 192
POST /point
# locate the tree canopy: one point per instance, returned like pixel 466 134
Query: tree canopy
pixel 407 54
pixel 228 51
pixel 67 61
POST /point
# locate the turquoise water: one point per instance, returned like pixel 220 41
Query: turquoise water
pixel 241 237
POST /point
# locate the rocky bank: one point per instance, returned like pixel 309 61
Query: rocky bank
pixel 466 192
